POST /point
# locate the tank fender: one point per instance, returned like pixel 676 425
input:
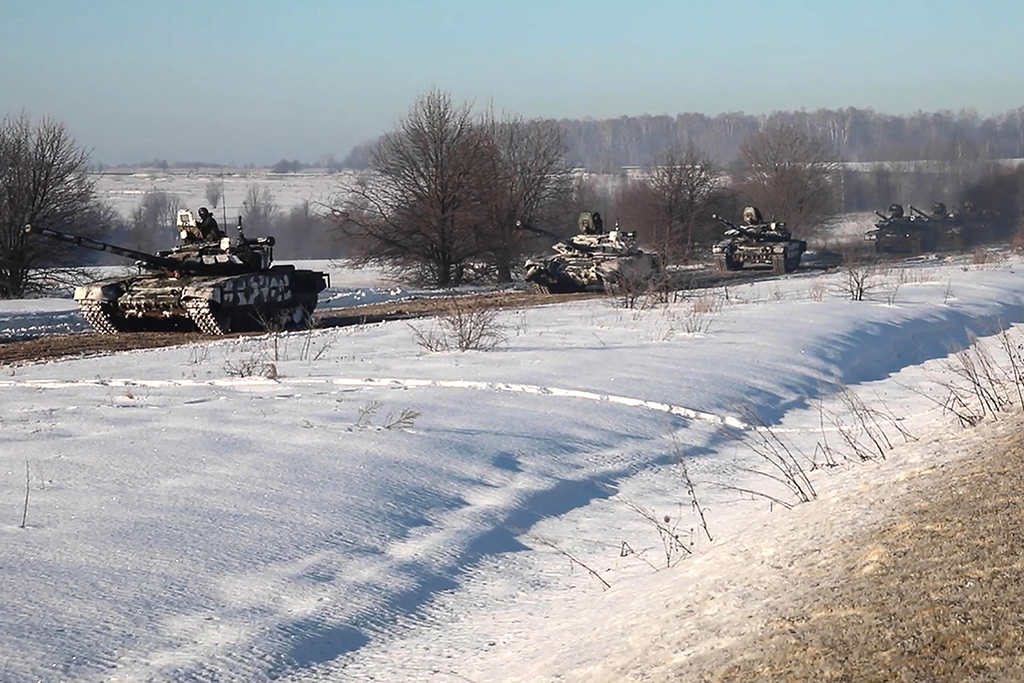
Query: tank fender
pixel 110 291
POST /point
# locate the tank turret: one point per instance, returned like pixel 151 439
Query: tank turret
pixel 218 286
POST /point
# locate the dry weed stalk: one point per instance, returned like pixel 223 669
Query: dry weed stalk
pixel 463 325
pixel 859 277
pixel 891 284
pixel 691 490
pixel 701 313
pixel 817 291
pixel 985 380
pixel 256 365
pixel 573 560
pixel 784 465
pixel 672 542
pixel 865 436
pixel 366 414
pixel 981 386
pixel 28 486
pixel 403 419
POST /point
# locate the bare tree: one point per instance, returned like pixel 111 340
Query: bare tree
pixel 258 209
pixel 303 232
pixel 419 209
pixel 214 193
pixel 528 183
pixel 44 181
pixel 153 220
pixel 791 175
pixel 683 183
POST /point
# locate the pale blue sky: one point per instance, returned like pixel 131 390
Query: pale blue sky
pixel 238 81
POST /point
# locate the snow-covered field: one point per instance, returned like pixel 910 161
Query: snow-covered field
pixel 379 513
pixel 124 191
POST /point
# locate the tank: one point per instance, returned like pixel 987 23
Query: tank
pixel 898 233
pixel 947 227
pixel 757 242
pixel 592 261
pixel 216 286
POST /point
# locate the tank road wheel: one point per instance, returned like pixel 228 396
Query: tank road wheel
pixel 100 315
pixel 208 317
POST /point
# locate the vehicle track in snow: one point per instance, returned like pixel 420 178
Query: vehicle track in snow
pixel 689 414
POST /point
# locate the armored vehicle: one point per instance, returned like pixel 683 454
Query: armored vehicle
pixel 757 242
pixel 592 261
pixel 215 286
pixel 947 227
pixel 898 233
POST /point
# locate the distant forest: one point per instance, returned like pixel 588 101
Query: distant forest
pixel 860 135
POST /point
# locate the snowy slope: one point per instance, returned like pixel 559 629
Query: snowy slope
pixel 378 513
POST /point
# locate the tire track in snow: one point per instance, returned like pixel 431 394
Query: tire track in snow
pixel 399 383
pixel 391 382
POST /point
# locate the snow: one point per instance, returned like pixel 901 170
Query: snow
pixel 338 504
pixel 124 191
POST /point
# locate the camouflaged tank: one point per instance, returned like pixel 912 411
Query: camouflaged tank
pixel 215 286
pixel 898 233
pixel 946 226
pixel 757 242
pixel 591 261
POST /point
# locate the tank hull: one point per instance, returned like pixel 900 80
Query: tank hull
pixel 782 256
pixel 280 296
pixel 902 240
pixel 592 263
pixel 595 273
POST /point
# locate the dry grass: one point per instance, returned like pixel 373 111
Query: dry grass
pixel 936 595
pixel 463 324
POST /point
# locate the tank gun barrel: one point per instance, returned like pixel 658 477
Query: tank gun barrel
pixel 725 220
pixel 919 212
pixel 96 245
pixel 742 229
pixel 881 215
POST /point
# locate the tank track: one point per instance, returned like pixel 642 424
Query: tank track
pixel 99 315
pixel 201 313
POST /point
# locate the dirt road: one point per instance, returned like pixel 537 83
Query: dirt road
pixel 65 345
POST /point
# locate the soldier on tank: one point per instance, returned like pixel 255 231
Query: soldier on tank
pixel 895 211
pixel 208 225
pixel 585 223
pixel 752 216
pixel 598 224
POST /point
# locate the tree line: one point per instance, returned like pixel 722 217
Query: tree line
pixel 863 135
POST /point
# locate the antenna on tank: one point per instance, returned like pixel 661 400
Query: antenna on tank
pixel 223 200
